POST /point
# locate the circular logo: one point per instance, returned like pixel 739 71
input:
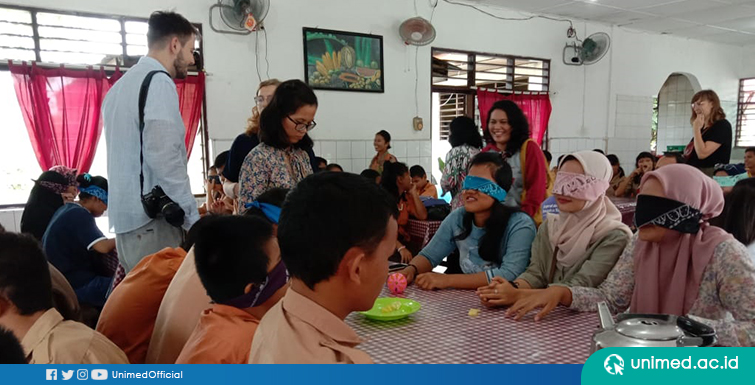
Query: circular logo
pixel 614 365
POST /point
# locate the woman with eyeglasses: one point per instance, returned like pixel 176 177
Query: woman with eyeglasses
pixel 248 140
pixel 281 159
pixel 711 143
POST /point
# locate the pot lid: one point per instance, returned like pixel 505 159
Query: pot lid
pixel 649 329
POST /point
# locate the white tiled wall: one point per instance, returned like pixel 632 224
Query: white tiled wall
pixel 560 146
pixel 11 219
pixel 355 155
pixel 674 112
pixel 634 119
pixel 730 109
pixel 634 116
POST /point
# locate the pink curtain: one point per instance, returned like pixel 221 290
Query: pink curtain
pixel 537 109
pixel 190 97
pixel 61 109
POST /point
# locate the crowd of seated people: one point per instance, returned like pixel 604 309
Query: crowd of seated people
pixel 288 245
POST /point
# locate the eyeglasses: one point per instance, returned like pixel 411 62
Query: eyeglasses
pixel 301 126
pixel 261 99
pixel 698 103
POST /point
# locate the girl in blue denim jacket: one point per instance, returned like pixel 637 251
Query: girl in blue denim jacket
pixel 493 240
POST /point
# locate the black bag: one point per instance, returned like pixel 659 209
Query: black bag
pixel 438 212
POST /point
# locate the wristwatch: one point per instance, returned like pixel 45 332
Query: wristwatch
pixel 513 283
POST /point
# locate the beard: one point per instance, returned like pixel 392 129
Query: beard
pixel 181 68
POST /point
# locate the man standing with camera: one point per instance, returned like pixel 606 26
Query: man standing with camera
pixel 150 155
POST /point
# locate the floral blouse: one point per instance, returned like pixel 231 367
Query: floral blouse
pixel 455 170
pixel 265 167
pixel 726 300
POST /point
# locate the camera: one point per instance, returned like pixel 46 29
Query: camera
pixel 156 203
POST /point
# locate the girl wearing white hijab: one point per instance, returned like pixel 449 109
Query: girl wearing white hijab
pixel 577 247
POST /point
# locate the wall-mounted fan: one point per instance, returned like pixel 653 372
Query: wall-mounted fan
pixel 242 17
pixel 590 51
pixel 417 31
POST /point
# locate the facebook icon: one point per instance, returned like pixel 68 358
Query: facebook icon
pixel 52 375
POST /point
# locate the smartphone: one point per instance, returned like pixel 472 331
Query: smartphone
pixel 396 266
pixel 214 178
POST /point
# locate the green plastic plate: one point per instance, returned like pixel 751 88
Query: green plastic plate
pixel 379 313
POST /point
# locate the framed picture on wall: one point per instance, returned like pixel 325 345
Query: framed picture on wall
pixel 343 61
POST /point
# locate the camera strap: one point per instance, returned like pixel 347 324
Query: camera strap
pixel 142 102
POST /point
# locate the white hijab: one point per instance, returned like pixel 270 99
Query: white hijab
pixel 574 233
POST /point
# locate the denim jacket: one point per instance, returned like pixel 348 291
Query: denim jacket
pixel 514 252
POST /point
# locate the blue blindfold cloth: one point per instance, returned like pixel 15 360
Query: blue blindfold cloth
pixel 484 186
pixel 95 192
pixel 272 212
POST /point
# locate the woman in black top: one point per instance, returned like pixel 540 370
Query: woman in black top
pixel 248 140
pixel 711 143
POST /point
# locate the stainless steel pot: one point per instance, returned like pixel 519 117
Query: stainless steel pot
pixel 649 330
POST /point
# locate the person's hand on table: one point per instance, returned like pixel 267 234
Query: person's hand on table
pixel 406 255
pixel 432 281
pixel 410 273
pixel 546 299
pixel 498 292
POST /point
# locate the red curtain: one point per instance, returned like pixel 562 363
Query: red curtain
pixel 190 96
pixel 61 109
pixel 537 109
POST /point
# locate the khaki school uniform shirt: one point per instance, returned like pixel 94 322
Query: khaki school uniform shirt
pixel 51 340
pixel 223 336
pixel 128 317
pixel 429 191
pixel 299 331
pixel 179 313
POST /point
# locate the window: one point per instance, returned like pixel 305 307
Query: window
pixel 746 114
pixel 456 76
pixel 451 106
pixel 73 39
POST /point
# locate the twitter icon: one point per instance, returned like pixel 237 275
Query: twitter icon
pixel 67 374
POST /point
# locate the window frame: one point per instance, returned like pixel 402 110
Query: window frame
pixel 470 89
pixel 109 69
pixel 742 106
pixel 121 59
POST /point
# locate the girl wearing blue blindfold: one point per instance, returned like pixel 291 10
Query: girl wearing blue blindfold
pixel 492 239
pixel 72 238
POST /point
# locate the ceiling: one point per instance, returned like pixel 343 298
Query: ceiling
pixel 721 21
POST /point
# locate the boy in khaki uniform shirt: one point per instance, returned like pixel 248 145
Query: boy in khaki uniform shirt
pixel 331 275
pixel 26 310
